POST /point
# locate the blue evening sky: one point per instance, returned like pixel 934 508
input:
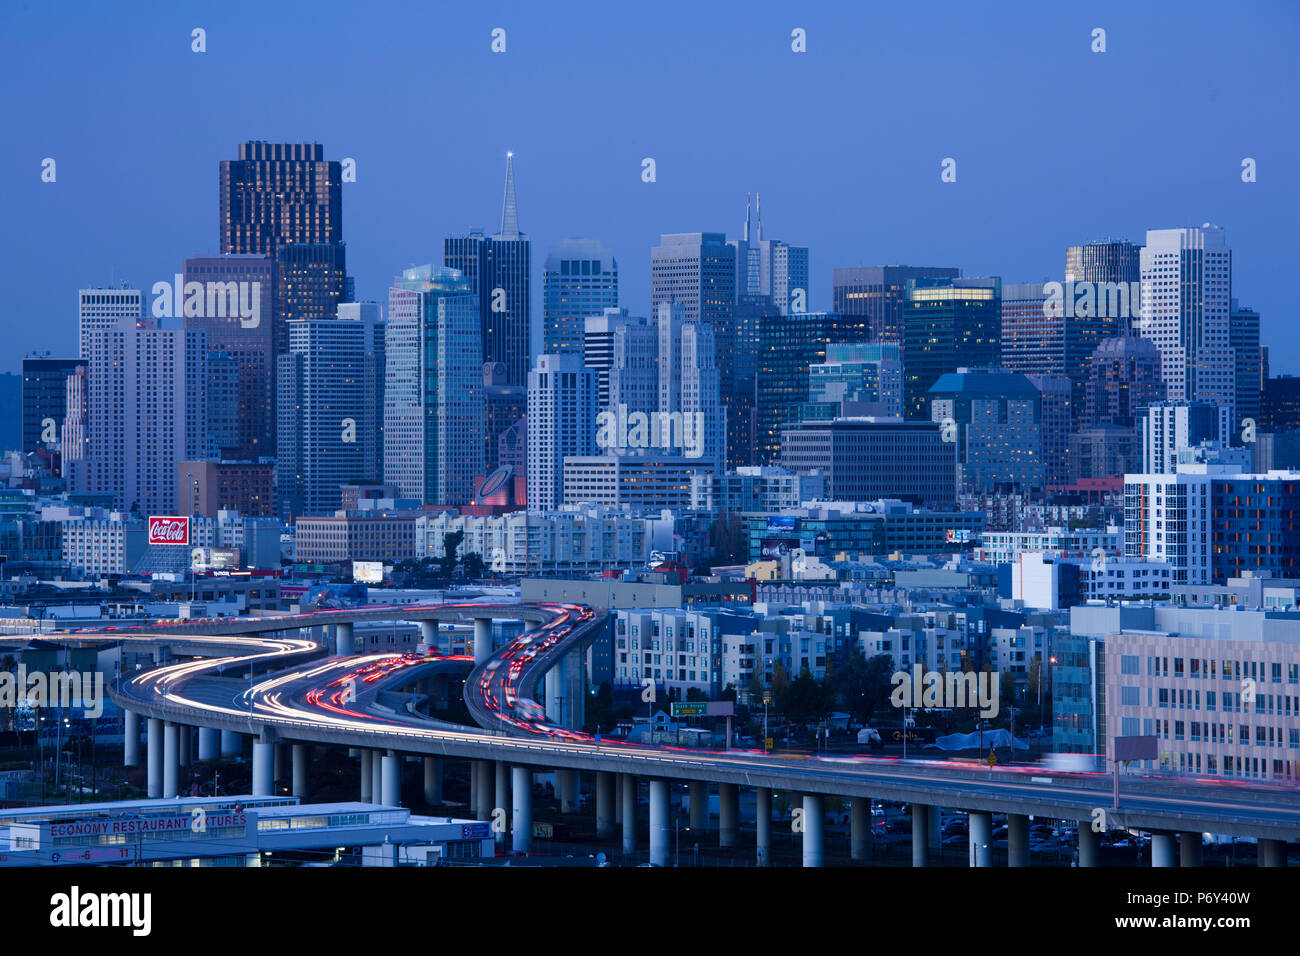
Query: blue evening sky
pixel 1054 144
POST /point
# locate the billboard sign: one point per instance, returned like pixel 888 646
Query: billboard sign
pixel 773 549
pixel 1137 748
pixel 169 529
pixel 368 572
pixel 211 559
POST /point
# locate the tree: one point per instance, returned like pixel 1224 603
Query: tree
pixel 728 693
pixel 780 679
pixel 471 565
pixel 806 698
pixel 450 545
pixel 850 682
pixel 694 693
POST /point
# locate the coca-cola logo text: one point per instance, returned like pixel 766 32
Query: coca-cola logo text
pixel 167 529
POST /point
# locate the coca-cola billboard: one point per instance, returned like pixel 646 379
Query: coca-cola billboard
pixel 169 529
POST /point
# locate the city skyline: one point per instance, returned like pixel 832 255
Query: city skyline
pixel 1008 216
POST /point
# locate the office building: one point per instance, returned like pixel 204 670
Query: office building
pixel 580 279
pixel 947 323
pixel 562 410
pixel 279 195
pixel 995 418
pixel 1186 312
pixel 241 349
pixel 101 309
pixel 864 459
pixel 45 401
pixel 247 487
pixel 789 345
pixel 876 294
pixel 1279 405
pixel 433 394
pixel 771 268
pixel 321 410
pixel 147 411
pixel 499 271
pixel 1244 339
pixel 1169 427
pixel 370 428
pixel 1123 379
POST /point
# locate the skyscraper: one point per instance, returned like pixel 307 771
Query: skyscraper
pixel 100 309
pixel 601 335
pixel 580 280
pixel 788 346
pixel 876 293
pixel 697 270
pixel 499 270
pixel 45 401
pixel 999 429
pixel 948 323
pixel 147 411
pixel 562 413
pixel 277 195
pixel 1124 378
pixel 1186 306
pixel 1244 339
pixel 770 267
pixel 371 425
pixel 321 414
pixel 1114 260
pixel 433 394
pixel 250 345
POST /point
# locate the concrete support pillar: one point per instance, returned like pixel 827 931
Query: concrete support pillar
pixel 1162 848
pixel 377 776
pixel 605 805
pixel 521 837
pixel 1089 845
pixel 699 790
pixel 209 743
pixel 763 811
pixel 154 758
pixel 486 790
pixel 659 822
pixel 482 639
pixel 814 817
pixel 628 803
pixel 574 665
pixel 860 828
pixel 184 746
pixel 170 767
pixel 1272 853
pixel 981 838
pixel 344 641
pixel 1017 839
pixel 501 794
pixel 429 633
pixel 232 745
pixel 300 759
pixel 263 767
pixel 920 828
pixel 130 739
pixel 392 768
pixel 554 703
pixel 367 777
pixel 1189 849
pixel 728 813
pixel 568 781
pixel 432 780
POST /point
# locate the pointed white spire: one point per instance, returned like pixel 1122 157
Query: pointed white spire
pixel 510 211
pixel 747 204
